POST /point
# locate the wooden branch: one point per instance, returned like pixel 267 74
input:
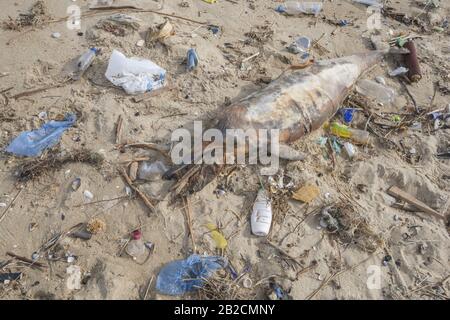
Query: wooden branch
pixel 119 128
pixel 141 195
pixel 189 222
pixel 400 194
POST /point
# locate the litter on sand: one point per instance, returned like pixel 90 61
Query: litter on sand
pixel 183 276
pixel 33 143
pixel 134 75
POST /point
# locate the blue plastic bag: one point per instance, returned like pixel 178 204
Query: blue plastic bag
pixel 32 143
pixel 182 276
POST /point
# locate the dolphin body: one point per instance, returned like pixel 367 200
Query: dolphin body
pixel 296 103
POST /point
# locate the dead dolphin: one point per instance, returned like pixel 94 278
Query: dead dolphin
pixel 296 104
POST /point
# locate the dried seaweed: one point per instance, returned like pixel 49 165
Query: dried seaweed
pixel 354 229
pixel 222 287
pixel 37 16
pixel 36 167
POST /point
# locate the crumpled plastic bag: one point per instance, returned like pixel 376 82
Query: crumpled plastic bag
pixel 182 276
pixel 32 143
pixel 134 75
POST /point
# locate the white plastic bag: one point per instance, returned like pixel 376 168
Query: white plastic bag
pixel 134 75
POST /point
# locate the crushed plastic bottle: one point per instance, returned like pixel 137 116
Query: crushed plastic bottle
pixel 136 247
pixel 84 62
pixel 374 90
pixel 299 7
pixel 261 218
pixel 358 136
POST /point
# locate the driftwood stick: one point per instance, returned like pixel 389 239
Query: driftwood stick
pixel 147 145
pixel 189 222
pixel 141 195
pixel 26 260
pixel 10 204
pixel 119 128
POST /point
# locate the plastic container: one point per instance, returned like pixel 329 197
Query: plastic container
pixel 358 136
pixel 261 218
pixel 136 247
pixel 376 91
pixel 299 7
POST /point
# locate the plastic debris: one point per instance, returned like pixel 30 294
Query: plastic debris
pixel 33 143
pixel 370 3
pixel 192 59
pixel 301 45
pixel 347 114
pixel 300 7
pixel 327 221
pixel 134 75
pixel 151 171
pixel 398 72
pixel 74 280
pixel 221 242
pixel 306 193
pixel 343 131
pixel 379 92
pixel 261 218
pixel 136 247
pixel 182 276
pixel 350 149
pixel 84 62
pixel 10 276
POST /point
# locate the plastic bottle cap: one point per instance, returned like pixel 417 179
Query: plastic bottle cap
pixel 136 234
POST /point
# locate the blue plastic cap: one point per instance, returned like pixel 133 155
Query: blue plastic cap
pixel 347 113
pixel 281 9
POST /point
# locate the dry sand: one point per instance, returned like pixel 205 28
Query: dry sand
pixel 33 59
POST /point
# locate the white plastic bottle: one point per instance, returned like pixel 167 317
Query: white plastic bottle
pixel 261 218
pixel 299 7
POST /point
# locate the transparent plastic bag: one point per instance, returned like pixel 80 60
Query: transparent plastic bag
pixel 134 75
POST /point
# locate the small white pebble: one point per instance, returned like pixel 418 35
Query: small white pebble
pixel 140 43
pixel 88 195
pixel 56 35
pixel 2 205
